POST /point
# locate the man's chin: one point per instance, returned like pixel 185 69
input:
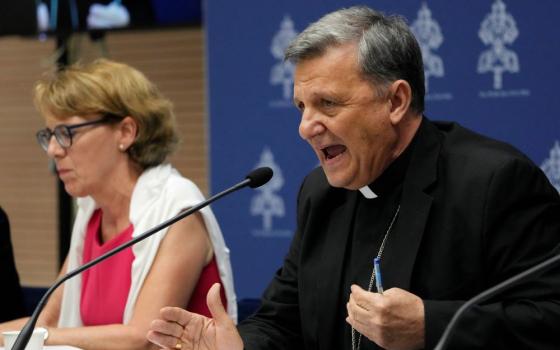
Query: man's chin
pixel 340 182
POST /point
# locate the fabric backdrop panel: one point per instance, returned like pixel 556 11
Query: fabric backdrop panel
pixel 491 65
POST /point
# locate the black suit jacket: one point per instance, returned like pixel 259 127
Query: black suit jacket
pixel 11 297
pixel 474 212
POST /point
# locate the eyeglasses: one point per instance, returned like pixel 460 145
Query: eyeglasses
pixel 64 133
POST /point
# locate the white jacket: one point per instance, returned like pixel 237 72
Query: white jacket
pixel 160 193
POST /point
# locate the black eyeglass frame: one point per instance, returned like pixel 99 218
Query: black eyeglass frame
pixel 61 130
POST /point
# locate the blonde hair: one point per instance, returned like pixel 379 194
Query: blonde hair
pixel 111 88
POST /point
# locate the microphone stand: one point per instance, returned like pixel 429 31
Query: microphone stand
pixel 256 178
pixel 543 266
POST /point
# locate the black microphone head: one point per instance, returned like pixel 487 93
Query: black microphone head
pixel 259 176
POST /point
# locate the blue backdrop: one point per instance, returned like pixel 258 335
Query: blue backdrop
pixel 493 66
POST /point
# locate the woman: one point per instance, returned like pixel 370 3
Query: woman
pixel 112 132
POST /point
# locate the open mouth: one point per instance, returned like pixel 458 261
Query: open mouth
pixel 333 151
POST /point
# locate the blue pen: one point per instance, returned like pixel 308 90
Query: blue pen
pixel 377 269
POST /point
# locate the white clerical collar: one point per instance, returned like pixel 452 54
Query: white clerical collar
pixel 367 192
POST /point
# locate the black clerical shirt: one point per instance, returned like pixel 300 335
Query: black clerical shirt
pixel 369 225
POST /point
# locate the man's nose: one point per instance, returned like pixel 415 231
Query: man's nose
pixel 310 125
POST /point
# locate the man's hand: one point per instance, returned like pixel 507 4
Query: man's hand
pixel 180 329
pixel 393 320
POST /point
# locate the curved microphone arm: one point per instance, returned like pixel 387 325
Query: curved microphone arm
pixel 545 265
pixel 256 178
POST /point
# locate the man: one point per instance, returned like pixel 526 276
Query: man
pixel 448 212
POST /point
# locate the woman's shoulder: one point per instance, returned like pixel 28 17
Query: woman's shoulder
pixel 165 179
pixel 178 185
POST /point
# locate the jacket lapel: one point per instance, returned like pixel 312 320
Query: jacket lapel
pixel 403 244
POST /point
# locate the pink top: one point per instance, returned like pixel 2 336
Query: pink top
pixel 105 286
pixel 208 277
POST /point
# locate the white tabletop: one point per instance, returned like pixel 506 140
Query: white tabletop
pixel 54 347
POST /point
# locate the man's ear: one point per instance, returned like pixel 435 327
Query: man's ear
pixel 128 128
pixel 400 95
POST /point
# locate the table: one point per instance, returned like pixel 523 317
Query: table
pixel 55 347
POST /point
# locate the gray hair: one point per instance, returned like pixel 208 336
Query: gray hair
pixel 387 49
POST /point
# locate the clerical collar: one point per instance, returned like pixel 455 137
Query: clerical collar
pixel 368 193
pixel 392 177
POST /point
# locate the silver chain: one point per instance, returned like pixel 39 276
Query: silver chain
pixel 372 278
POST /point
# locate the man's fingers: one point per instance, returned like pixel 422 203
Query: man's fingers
pixel 359 301
pixel 356 313
pixel 165 334
pixel 167 328
pixel 357 290
pixel 365 299
pixel 161 340
pixel 177 315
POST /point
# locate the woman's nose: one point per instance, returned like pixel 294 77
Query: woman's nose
pixel 54 148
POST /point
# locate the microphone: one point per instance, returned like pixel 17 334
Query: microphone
pixel 543 266
pixel 255 178
pixel 259 177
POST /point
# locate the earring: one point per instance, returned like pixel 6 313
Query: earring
pixel 121 147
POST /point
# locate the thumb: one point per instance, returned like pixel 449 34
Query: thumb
pixel 214 302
